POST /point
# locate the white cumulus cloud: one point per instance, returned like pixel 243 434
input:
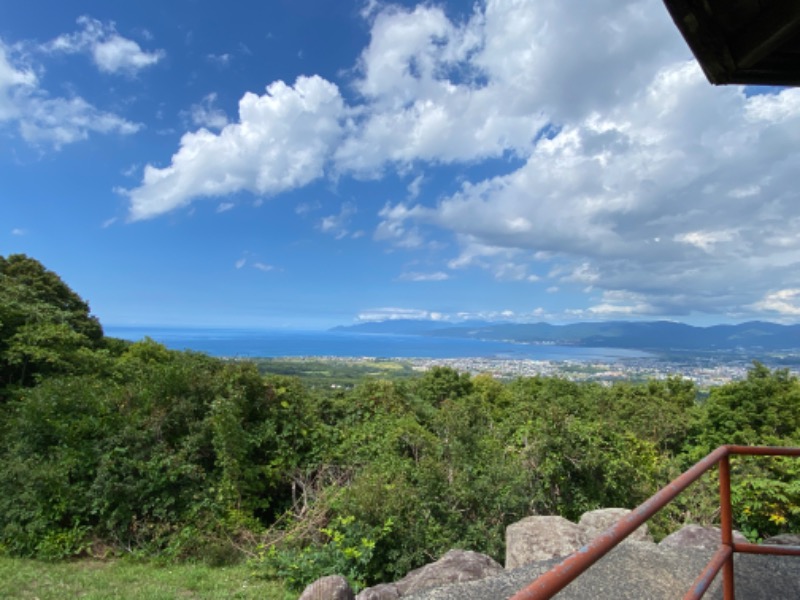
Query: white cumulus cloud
pixel 281 141
pixel 110 52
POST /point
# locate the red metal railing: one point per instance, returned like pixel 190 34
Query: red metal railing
pixel 550 583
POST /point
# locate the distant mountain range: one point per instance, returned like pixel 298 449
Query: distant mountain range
pixel 637 335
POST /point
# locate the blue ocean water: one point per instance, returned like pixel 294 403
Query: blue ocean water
pixel 276 343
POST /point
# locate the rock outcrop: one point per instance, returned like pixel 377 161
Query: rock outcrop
pixel 637 570
pixel 333 587
pixel 633 570
pixel 540 538
pixel 597 521
pixel 384 591
pixel 454 567
pixel 697 536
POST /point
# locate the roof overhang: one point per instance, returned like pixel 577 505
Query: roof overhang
pixel 751 42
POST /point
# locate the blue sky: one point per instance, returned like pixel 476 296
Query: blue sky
pixel 308 163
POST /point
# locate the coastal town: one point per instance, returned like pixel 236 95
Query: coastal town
pixel 704 372
pixel 705 375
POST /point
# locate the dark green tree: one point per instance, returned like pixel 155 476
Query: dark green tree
pixel 45 327
pixel 763 409
pixel 443 383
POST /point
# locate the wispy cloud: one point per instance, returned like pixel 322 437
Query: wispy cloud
pixel 338 225
pixel 45 120
pixel 305 208
pixel 221 60
pixel 131 170
pixel 394 314
pixel 249 258
pixel 110 52
pixel 263 267
pixel 415 187
pixel 206 114
pixel 417 276
pixel 782 302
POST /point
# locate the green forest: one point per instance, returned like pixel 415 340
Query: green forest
pixel 110 448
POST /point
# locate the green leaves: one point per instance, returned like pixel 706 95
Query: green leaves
pixel 762 409
pixel 347 548
pixel 45 328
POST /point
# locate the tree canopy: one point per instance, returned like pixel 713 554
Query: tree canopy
pixel 45 327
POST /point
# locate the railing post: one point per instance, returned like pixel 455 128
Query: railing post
pixel 726 525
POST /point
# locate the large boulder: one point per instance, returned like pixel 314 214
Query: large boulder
pixel 596 522
pixel 456 566
pixel 540 538
pixel 333 587
pixel 697 536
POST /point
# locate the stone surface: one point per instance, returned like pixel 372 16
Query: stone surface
pixel 784 539
pixel 596 522
pixel 384 591
pixel 540 538
pixel 455 566
pixel 639 571
pixel 697 536
pixel 633 571
pixel 333 587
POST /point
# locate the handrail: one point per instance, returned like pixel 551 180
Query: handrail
pixel 553 581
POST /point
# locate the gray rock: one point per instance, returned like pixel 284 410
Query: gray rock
pixel 784 539
pixel 455 566
pixel 697 536
pixel 637 571
pixel 540 538
pixel 333 587
pixel 761 577
pixel 383 591
pixel 596 522
pixel 633 571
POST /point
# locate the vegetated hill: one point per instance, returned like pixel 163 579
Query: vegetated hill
pixel 651 335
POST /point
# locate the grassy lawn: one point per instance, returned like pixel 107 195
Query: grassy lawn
pixel 97 580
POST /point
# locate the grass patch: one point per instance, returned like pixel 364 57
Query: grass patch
pixel 119 579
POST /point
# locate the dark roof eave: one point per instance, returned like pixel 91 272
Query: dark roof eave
pixel 755 55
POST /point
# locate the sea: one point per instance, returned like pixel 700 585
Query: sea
pixel 261 343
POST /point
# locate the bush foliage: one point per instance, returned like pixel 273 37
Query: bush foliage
pixel 115 447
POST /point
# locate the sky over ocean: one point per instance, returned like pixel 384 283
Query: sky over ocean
pixel 307 163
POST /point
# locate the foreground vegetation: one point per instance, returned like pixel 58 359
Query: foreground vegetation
pixel 114 449
pixel 123 579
